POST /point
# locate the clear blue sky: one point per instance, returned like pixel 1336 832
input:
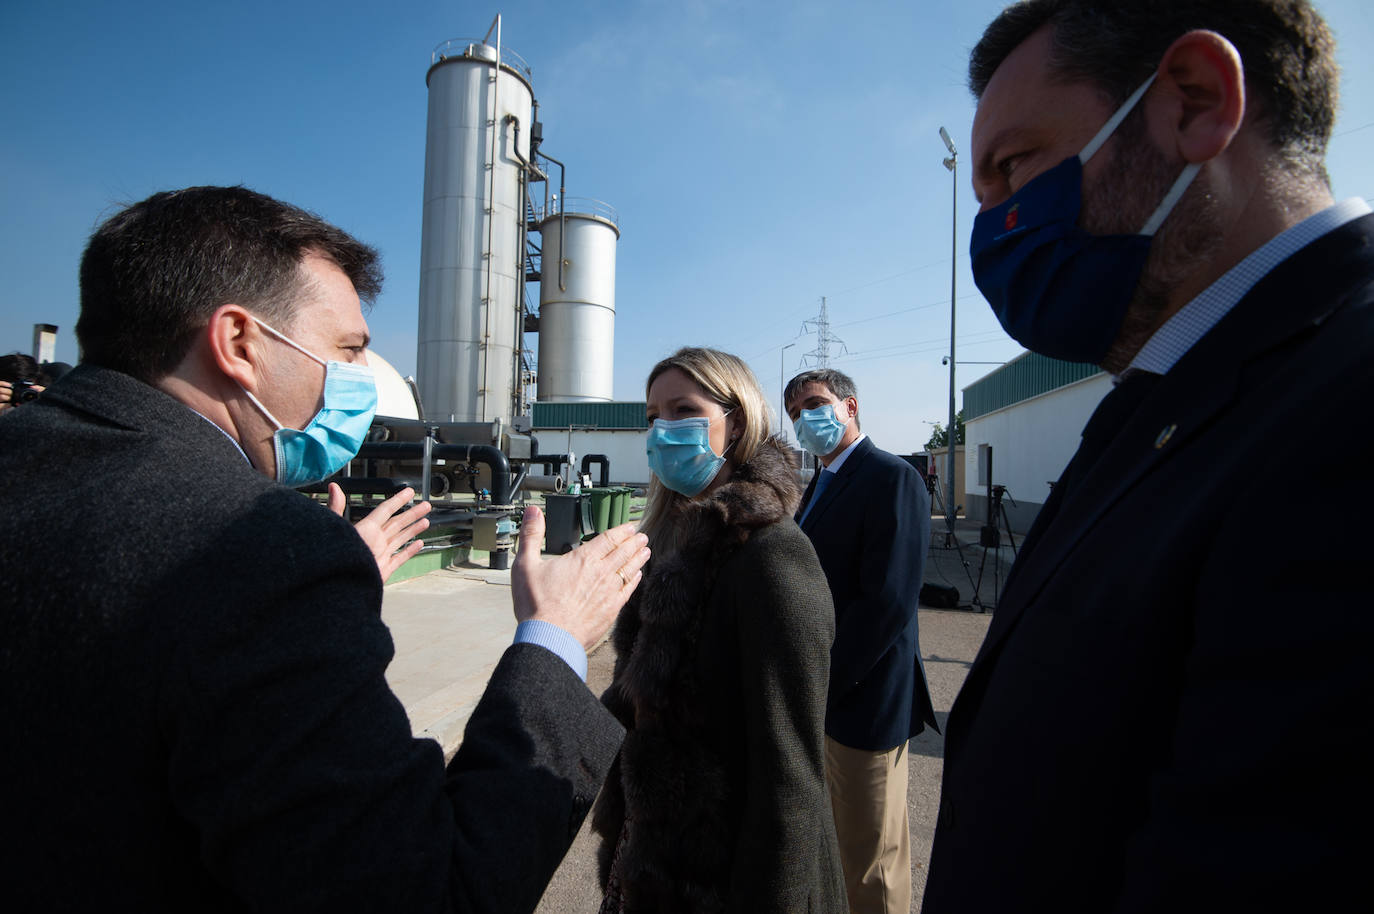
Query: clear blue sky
pixel 761 155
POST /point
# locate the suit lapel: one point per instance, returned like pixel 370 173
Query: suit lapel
pixel 842 481
pixel 1200 386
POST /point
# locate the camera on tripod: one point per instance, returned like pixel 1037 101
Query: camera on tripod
pixel 990 537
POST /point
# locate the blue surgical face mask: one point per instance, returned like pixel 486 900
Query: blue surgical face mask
pixel 818 430
pixel 332 438
pixel 680 453
pixel 1056 289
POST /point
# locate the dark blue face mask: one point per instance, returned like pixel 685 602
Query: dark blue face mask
pixel 1056 289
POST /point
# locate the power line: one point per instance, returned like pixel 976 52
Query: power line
pixel 927 266
pixel 934 304
pixel 994 337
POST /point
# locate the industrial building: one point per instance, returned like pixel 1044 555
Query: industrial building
pixel 1022 424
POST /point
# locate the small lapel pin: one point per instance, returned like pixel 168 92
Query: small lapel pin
pixel 1165 435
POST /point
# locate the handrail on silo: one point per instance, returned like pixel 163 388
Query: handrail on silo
pixel 581 206
pixel 458 47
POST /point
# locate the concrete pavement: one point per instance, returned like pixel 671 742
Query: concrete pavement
pixel 450 628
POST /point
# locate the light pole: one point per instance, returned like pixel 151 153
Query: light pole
pixel 782 393
pixel 952 163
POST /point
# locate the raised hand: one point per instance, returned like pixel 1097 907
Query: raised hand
pixel 583 590
pixel 387 527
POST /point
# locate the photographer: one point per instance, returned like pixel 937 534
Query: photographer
pixel 21 381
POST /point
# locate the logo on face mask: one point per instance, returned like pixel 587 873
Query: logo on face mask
pixel 333 436
pixel 1056 289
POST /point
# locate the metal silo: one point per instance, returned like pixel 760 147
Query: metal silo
pixel 472 239
pixel 577 302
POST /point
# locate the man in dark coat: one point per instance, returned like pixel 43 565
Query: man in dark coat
pixel 192 655
pixel 867 513
pixel 1171 709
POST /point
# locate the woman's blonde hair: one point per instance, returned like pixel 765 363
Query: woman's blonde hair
pixel 726 379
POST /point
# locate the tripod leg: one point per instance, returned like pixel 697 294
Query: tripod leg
pixel 1007 522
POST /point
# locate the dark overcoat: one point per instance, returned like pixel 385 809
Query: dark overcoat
pixel 871 530
pixel 193 699
pixel 1171 710
pixel 720 681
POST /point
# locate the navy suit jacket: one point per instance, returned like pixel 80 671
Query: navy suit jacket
pixel 871 529
pixel 1171 710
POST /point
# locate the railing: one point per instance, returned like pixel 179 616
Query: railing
pixel 581 206
pixel 458 47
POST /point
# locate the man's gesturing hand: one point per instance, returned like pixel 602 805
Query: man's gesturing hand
pixel 582 591
pixel 390 529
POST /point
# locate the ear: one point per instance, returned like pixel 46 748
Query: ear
pixel 851 404
pixel 233 340
pixel 1198 100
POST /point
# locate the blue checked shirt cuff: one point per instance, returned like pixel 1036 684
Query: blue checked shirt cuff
pixel 551 637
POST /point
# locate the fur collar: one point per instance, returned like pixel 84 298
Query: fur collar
pixel 657 632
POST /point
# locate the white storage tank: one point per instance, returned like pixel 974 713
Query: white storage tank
pixel 471 243
pixel 577 302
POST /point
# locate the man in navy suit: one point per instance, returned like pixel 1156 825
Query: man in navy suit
pixel 1171 709
pixel 868 515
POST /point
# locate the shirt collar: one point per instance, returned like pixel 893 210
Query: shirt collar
pixel 236 445
pixel 1180 332
pixel 844 455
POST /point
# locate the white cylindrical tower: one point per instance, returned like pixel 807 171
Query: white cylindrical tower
pixel 471 242
pixel 577 305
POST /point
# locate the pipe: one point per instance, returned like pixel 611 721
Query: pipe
pixel 589 459
pixel 364 485
pixel 519 478
pixel 544 484
pixel 524 194
pixel 493 457
pixel 562 220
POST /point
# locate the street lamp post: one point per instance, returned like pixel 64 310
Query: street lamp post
pixel 952 163
pixel 782 393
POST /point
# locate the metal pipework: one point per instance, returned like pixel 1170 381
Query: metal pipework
pixel 493 457
pixel 544 483
pixel 604 461
pixel 562 217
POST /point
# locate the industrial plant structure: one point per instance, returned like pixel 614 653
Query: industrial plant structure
pixel 493 224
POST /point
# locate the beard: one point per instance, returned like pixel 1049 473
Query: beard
pixel 1123 197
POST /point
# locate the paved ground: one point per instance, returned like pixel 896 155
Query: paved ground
pixel 450 628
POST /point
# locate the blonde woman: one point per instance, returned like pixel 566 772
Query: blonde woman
pixel 718 799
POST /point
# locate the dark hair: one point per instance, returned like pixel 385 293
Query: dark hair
pixel 20 367
pixel 1286 49
pixel 840 384
pixel 153 273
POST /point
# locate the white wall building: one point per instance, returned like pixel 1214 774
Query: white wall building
pixel 615 429
pixel 1027 417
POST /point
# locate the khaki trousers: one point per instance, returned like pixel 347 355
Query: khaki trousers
pixel 868 796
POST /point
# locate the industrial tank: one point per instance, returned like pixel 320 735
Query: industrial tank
pixel 394 396
pixel 471 243
pixel 577 302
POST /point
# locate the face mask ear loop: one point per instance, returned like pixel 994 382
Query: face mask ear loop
pixel 288 341
pixel 1171 198
pixel 1115 121
pixel 258 403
